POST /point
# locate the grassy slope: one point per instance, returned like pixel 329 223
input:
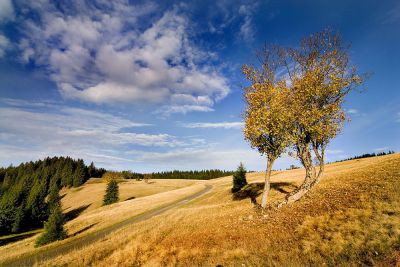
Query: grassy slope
pixel 91 220
pixel 91 194
pixel 352 218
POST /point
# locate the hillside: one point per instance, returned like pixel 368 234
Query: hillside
pixel 326 227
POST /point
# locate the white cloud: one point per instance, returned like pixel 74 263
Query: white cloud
pixel 247 31
pixel 4 44
pixel 6 10
pixel 380 149
pixel 225 125
pixel 334 151
pixel 31 130
pixel 106 55
pixel 167 110
pixel 352 111
pixel 209 158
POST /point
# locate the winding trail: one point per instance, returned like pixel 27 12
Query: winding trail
pixel 31 259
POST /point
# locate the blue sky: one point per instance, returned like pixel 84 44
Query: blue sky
pixel 151 86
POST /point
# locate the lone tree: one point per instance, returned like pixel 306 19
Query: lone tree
pixel 54 227
pixel 267 115
pixel 239 178
pixel 317 78
pixel 112 192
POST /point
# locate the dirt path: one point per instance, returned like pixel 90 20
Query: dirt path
pixel 31 259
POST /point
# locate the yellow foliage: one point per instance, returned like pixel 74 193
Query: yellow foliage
pixel 303 107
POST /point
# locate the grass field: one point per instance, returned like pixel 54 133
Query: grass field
pixel 351 218
pixel 90 195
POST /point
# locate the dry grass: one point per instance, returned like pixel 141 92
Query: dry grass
pixel 351 218
pixel 99 218
pixel 91 194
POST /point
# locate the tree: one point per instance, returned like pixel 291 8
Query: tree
pixel 79 174
pixel 54 227
pixel 91 170
pixel 301 109
pixel 112 192
pixel 239 178
pixel 321 76
pixel 268 112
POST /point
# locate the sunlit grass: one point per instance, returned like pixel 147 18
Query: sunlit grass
pixel 351 218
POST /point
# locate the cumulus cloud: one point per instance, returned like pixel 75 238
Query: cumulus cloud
pixel 105 53
pixel 225 125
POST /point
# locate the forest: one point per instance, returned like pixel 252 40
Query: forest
pixel 23 189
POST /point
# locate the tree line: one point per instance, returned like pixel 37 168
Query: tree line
pixel 368 155
pixel 24 189
pixel 189 175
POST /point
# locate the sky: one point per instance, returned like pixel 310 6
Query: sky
pixel 157 85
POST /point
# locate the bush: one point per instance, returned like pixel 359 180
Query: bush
pixel 112 192
pixel 239 178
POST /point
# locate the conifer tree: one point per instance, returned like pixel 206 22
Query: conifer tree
pixel 112 192
pixel 239 178
pixel 79 174
pixel 54 227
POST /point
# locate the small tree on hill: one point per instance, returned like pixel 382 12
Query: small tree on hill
pixel 112 192
pixel 239 178
pixel 54 227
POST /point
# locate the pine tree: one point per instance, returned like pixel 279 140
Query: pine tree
pixel 112 192
pixel 239 178
pixel 54 199
pixel 91 170
pixel 79 174
pixel 54 227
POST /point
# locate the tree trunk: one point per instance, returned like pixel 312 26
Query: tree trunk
pixel 308 183
pixel 267 185
pixel 320 157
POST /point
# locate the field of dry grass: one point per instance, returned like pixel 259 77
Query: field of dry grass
pixel 90 221
pixel 351 218
pixel 90 195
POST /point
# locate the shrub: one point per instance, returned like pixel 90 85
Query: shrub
pixel 239 178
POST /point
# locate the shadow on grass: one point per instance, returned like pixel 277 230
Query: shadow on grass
pixel 82 230
pixel 18 237
pixel 72 214
pixel 129 198
pixel 253 190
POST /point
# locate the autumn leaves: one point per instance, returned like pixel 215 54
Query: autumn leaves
pixel 294 102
